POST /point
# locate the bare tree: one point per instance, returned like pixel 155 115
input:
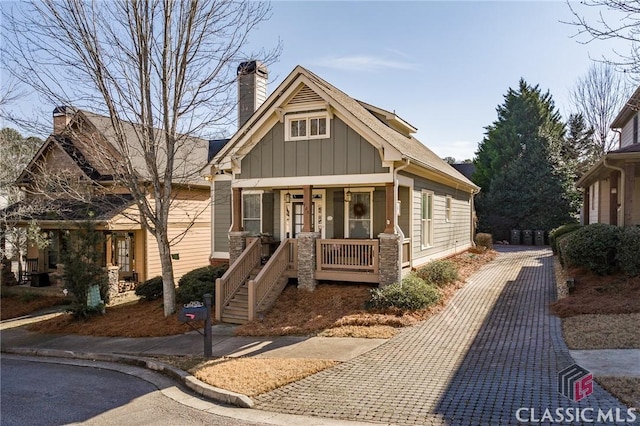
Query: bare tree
pixel 162 70
pixel 598 96
pixel 616 20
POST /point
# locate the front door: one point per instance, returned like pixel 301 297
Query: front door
pixel 298 217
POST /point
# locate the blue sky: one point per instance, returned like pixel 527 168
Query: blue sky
pixel 442 66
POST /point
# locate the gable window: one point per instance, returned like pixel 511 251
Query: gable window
pixel 447 209
pixel 311 126
pixel 251 214
pixel 426 219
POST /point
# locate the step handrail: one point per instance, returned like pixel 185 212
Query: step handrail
pixel 264 282
pixel 237 274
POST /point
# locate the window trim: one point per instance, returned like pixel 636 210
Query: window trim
pixel 252 192
pixel 347 208
pixel 448 205
pixel 307 117
pixel 426 223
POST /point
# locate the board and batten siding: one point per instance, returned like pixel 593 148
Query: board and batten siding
pixel 448 237
pixel 344 152
pixel 190 230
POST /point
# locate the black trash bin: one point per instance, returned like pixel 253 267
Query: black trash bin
pixel 40 279
pixel 539 237
pixel 515 237
pixel 527 237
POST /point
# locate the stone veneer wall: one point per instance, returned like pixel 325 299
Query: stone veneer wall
pixel 307 260
pixel 389 258
pixel 237 244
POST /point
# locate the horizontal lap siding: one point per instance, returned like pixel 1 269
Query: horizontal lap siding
pixel 190 230
pixel 446 235
pixel 627 134
pixel 222 216
pixel 345 152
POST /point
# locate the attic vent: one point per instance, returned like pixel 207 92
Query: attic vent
pixel 305 95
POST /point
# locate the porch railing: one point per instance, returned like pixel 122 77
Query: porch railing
pixel 351 260
pixel 263 284
pixel 236 275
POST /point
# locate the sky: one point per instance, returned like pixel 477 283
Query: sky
pixel 442 66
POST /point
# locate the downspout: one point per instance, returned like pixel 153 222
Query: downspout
pixel 622 178
pixel 472 228
pixel 395 212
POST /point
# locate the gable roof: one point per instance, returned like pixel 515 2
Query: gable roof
pixel 628 110
pixel 408 147
pixel 89 156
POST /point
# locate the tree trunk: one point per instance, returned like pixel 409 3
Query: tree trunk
pixel 168 283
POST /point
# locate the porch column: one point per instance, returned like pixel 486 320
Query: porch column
pixel 307 199
pixel 389 259
pixel 237 244
pixel 390 211
pixel 307 260
pixel 236 210
pixel 629 186
pixel 613 199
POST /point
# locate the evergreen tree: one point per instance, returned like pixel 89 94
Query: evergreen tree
pixel 520 166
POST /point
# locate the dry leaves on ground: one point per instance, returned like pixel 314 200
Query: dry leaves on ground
pixel 137 319
pixel 626 389
pixel 254 376
pixel 602 331
pixel 19 305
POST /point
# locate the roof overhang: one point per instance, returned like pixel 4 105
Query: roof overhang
pixel 603 167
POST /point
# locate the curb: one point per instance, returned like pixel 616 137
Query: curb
pixel 201 388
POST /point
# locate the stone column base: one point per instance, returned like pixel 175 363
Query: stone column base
pixel 307 260
pixel 389 259
pixel 237 244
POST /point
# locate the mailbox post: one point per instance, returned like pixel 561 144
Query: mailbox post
pixel 195 311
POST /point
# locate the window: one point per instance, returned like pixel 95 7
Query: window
pixel 301 127
pixel 251 217
pixel 426 219
pixel 447 209
pixel 359 218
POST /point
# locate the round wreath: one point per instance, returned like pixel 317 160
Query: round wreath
pixel 359 209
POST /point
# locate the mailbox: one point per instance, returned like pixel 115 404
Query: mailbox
pixel 193 313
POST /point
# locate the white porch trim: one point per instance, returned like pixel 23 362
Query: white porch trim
pixel 297 181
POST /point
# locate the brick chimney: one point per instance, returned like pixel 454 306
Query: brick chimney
pixel 252 89
pixel 61 117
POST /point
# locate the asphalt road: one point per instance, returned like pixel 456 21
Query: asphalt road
pixel 38 393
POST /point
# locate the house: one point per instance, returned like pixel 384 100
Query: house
pixel 612 185
pixel 343 188
pixel 82 154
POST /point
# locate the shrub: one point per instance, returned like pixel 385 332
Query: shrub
pixel 556 233
pixel 439 272
pixel 484 240
pixel 412 293
pixel 151 289
pixel 561 243
pixel 628 256
pixel 593 247
pixel 195 284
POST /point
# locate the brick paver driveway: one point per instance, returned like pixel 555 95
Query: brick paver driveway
pixel 493 350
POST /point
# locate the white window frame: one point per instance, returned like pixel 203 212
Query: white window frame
pixel 426 221
pixel 307 118
pixel 347 208
pixel 259 194
pixel 447 208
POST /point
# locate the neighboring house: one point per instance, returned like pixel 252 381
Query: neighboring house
pixel 612 185
pixel 343 185
pixel 80 153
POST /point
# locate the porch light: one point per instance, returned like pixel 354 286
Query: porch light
pixel 287 197
pixel 347 196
